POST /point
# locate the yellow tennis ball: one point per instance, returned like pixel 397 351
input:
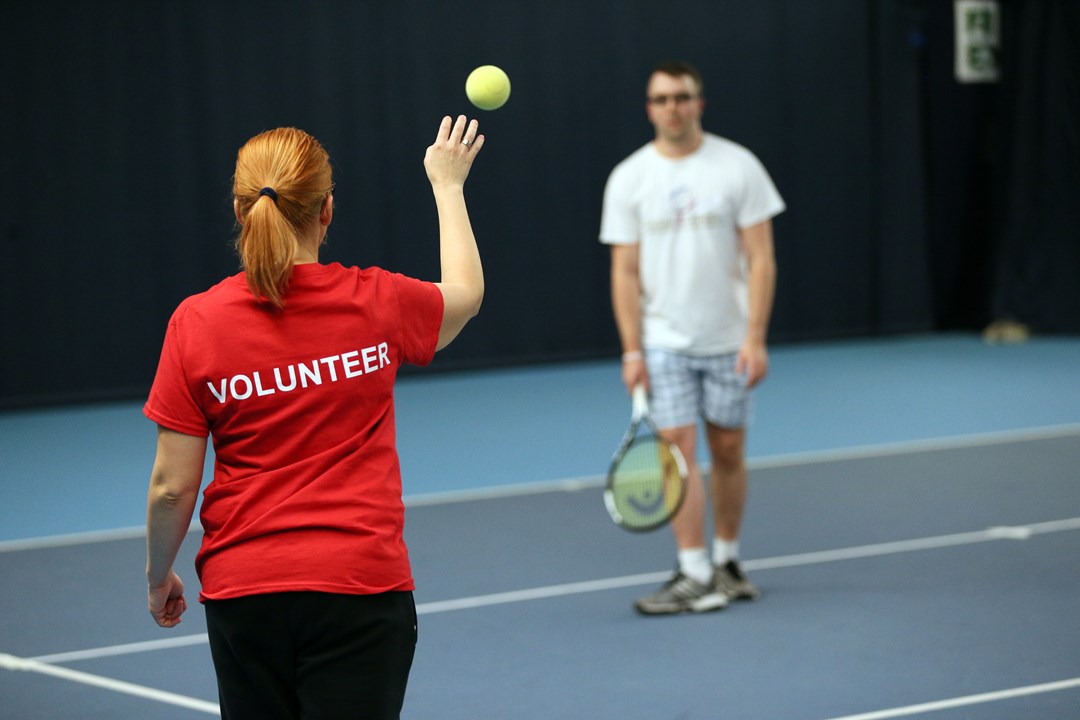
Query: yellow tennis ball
pixel 488 87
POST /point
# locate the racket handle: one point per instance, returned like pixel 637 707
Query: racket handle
pixel 639 402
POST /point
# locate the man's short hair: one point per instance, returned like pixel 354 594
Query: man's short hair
pixel 678 68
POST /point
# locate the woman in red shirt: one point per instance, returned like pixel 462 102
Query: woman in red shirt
pixel 289 367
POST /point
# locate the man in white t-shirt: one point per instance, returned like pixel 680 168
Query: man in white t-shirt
pixel 689 221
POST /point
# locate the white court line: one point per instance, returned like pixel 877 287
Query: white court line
pixel 126 649
pixel 81 538
pixel 996 533
pixel 504 491
pixel 1048 432
pixel 41 664
pixel 810 558
pixel 10 662
pixel 858 452
pixel 954 442
pixel 966 700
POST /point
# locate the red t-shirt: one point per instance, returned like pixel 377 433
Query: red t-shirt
pixel 306 493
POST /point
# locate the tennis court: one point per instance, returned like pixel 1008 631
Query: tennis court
pixel 914 525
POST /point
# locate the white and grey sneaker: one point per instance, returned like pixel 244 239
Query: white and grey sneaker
pixel 729 580
pixel 681 594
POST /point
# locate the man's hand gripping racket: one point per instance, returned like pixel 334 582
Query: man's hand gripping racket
pixel 647 480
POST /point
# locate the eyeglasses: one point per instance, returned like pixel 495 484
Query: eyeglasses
pixel 677 98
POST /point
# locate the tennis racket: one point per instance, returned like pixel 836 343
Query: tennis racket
pixel 646 484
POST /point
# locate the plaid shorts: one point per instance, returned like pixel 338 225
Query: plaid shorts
pixel 683 388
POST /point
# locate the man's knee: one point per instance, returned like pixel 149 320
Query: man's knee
pixel 727 449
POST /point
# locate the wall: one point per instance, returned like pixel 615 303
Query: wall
pixel 123 119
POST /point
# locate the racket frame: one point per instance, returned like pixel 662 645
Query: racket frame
pixel 639 416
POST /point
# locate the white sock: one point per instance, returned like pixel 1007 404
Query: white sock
pixel 724 550
pixel 694 564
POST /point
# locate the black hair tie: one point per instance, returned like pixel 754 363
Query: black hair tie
pixel 269 191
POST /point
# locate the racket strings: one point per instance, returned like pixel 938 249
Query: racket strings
pixel 646 484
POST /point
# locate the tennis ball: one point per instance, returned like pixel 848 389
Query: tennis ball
pixel 488 87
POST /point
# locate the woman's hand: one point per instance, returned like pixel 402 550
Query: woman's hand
pixel 450 157
pixel 166 601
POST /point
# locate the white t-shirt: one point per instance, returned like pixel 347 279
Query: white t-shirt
pixel 685 213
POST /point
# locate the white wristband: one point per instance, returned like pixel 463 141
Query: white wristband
pixel 632 356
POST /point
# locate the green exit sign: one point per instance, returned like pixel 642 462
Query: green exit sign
pixel 978 40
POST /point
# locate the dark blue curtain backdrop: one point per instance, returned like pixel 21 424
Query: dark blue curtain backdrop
pixel 1037 269
pixel 122 119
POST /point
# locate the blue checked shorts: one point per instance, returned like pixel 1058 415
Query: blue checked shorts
pixel 684 388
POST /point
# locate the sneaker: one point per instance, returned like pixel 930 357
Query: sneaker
pixel 681 594
pixel 729 580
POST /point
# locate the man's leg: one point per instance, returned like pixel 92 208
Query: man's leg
pixel 727 480
pixel 688 525
pixel 728 485
pixel 675 390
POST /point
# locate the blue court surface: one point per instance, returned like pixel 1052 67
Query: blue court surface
pixel 914 525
